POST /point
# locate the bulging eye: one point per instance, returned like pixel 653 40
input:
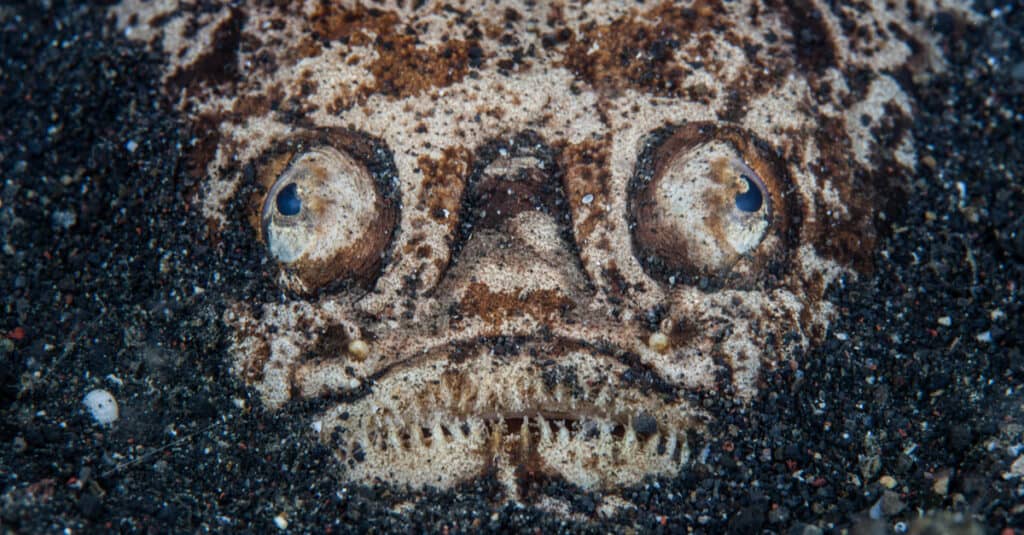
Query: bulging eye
pixel 324 219
pixel 752 198
pixel 705 206
pixel 747 220
pixel 288 201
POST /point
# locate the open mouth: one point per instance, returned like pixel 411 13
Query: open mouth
pixel 564 412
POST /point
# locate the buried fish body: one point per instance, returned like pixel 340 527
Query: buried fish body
pixel 521 238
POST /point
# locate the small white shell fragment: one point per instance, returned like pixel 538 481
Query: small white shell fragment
pixel 1016 469
pixel 281 521
pixel 102 406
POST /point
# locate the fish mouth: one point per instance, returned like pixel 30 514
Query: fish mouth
pixel 566 412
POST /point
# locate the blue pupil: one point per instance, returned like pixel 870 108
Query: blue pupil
pixel 750 200
pixel 289 203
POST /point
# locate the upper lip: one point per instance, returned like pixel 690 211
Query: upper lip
pixel 394 353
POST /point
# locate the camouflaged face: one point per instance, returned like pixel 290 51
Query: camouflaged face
pixel 527 232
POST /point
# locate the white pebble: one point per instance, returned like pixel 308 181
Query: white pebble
pixel 1016 469
pixel 945 321
pixel 588 198
pixel 985 337
pixel 131 146
pixel 281 521
pixel 102 406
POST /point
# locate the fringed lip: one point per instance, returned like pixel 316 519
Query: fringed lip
pixel 569 415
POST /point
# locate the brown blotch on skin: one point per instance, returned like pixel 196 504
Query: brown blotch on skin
pixel 848 238
pixel 253 370
pixel 403 67
pixel 618 285
pixel 206 130
pixel 258 104
pixel 250 105
pixel 813 44
pixel 306 47
pixel 352 26
pixel 639 52
pixel 443 182
pixel 684 332
pixel 219 64
pixel 332 344
pixel 495 307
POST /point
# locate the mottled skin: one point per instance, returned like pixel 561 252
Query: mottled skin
pixel 545 261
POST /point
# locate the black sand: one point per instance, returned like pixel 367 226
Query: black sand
pixel 107 281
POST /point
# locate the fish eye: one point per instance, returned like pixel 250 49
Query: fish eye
pixel 324 218
pixel 288 201
pixel 703 206
pixel 751 199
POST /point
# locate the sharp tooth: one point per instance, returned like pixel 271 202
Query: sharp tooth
pixel 671 444
pixel 545 430
pixel 524 434
pixel 563 433
pixel 497 433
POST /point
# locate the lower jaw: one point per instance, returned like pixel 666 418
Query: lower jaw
pixel 570 416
